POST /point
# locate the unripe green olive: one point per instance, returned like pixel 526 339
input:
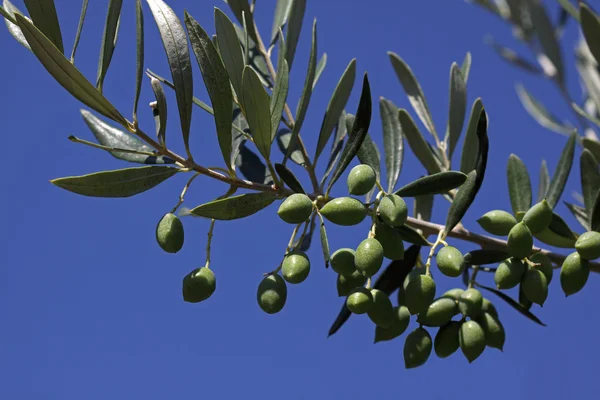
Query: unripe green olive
pixel 417 348
pixel 471 338
pixel 544 265
pixel 509 273
pixel 439 313
pixel 453 294
pixel 419 291
pixel 493 329
pixel 361 180
pixel 520 241
pixel 470 302
pixel 272 294
pixel 497 222
pixel 295 267
pixel 574 273
pixel 538 217
pixel 169 233
pixel 446 339
pixel 295 209
pixel 393 246
pixel 588 245
pixel 342 261
pixel 535 286
pixel 344 211
pixel 198 285
pixel 393 210
pixel 401 319
pixel 368 257
pixel 382 311
pixel 347 283
pixel 360 301
pixel 450 261
pixel 488 307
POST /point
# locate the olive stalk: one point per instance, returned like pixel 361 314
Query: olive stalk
pixel 208 242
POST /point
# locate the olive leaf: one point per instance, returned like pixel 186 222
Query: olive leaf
pixel 253 55
pixel 9 13
pixel 457 108
pixel 544 183
pixel 580 215
pixel 280 90
pixel 523 300
pixel 65 73
pixel 251 166
pixel 595 219
pixel 369 154
pixel 304 245
pixel 570 9
pixel 241 10
pixel 513 58
pixel 558 234
pixel 561 174
pixel 282 13
pixel 216 81
pixel 411 235
pixel 159 110
pixel 357 135
pixel 413 91
pixel 336 105
pixel 176 48
pixel 485 256
pixel 540 113
pixel 423 207
pixel 466 67
pixel 439 183
pixel 590 179
pixel 393 141
pixel 109 40
pixel 195 100
pixel 593 146
pixel 289 178
pixel 283 140
pixel 388 281
pixel 118 183
pixel 470 145
pixel 139 52
pixel 44 17
pixel 468 191
pixel 294 27
pixel 239 134
pixel 235 207
pixel 336 147
pixel 513 304
pixel 320 68
pixel 255 102
pixel 324 241
pixel 547 37
pixel 306 93
pixel 84 7
pixel 590 25
pixel 229 49
pixel 417 143
pixel 519 184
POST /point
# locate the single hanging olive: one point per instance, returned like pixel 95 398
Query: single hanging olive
pixel 342 261
pixel 344 211
pixel 450 261
pixel 574 273
pixel 417 348
pixel 393 210
pixel 361 180
pixel 368 257
pixel 497 222
pixel 169 233
pixel 198 285
pixel 382 311
pixel 295 209
pixel 360 301
pixel 520 241
pixel 295 267
pixel 472 340
pixel 272 294
pixel 588 245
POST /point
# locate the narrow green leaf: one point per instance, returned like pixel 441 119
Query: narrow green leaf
pixel 160 110
pixel 65 73
pixel 561 174
pixel 282 12
pixel 540 21
pixel 324 242
pixel 593 146
pixel 241 10
pixel 485 256
pixel 584 114
pixel 320 68
pixel 570 8
pixel 413 91
pixel 44 17
pixel 235 207
pixel 255 102
pixel 560 227
pixel 195 100
pixel 541 113
pixel 230 50
pixel 513 58
pixel 293 30
pixel 280 91
pixel 417 143
pixel 139 52
pixel 252 167
pixel 519 185
pixel 9 13
pixel 245 41
pixel 306 93
pixel 109 136
pixel 580 215
pixel 590 179
pixel 283 141
pixel 239 127
pixel 456 109
pixel 590 25
pixel 439 183
pixel 336 105
pixel 544 182
pixel 109 39
pixel 176 47
pixel 84 6
pixel 411 235
pixel 336 147
pixel 595 220
pixel 369 154
pixel 514 304
pixel 118 183
pixel 470 145
pixel 216 81
pixel 466 67
pixel 423 207
pixel 254 56
pixel 289 178
pixel 357 135
pixel 468 191
pixel 393 141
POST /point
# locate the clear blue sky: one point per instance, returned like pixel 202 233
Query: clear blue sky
pixel 91 308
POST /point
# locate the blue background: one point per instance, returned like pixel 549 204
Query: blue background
pixel 91 308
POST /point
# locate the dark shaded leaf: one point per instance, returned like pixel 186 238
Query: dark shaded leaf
pixel 593 146
pixel 590 179
pixel 280 91
pixel 336 147
pixel 235 207
pixel 139 53
pixel 411 235
pixel 514 304
pixel 283 141
pixel 580 215
pixel 523 300
pixel 590 25
pixel 417 143
pixel 238 138
pixel 541 113
pixel 109 39
pixel 160 110
pixel 369 154
pixel 439 183
pixel 595 220
pixel 252 167
pixel 485 256
pixel 289 178
pixel 255 102
pixel 544 183
pixel 294 27
pixel 84 6
pixel 44 17
pixel 471 143
pixel 456 109
pixel 9 13
pixel 561 173
pixel 324 242
pixel 306 241
pixel 519 184
pixel 118 183
pixel 560 227
pixel 229 49
pixel 393 141
pixel 423 207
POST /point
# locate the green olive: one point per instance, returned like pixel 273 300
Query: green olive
pixel 470 302
pixel 272 294
pixel 544 265
pixel 417 348
pixel 198 285
pixel 471 338
pixel 446 339
pixel 450 261
pixel 538 217
pixel 574 273
pixel 342 261
pixel 393 210
pixel 439 313
pixel 360 301
pixel 169 233
pixel 497 222
pixel 393 246
pixel 453 294
pixel 488 307
pixel 296 209
pixel 509 273
pixel 520 241
pixel 368 257
pixel 535 286
pixel 400 321
pixel 295 267
pixel 344 211
pixel 588 245
pixel 361 180
pixel 347 283
pixel 493 329
pixel 382 311
pixel 419 291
